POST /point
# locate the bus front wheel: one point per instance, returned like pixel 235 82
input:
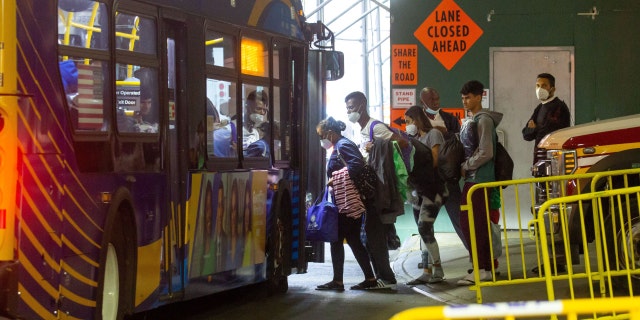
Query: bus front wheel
pixel 115 286
pixel 279 245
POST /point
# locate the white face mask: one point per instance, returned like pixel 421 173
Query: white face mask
pixel 542 93
pixel 326 144
pixel 256 118
pixel 412 129
pixel 354 117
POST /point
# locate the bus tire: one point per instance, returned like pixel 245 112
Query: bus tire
pixel 116 275
pixel 279 244
pixel 616 234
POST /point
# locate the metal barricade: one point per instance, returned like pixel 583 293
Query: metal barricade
pixel 609 308
pixel 559 228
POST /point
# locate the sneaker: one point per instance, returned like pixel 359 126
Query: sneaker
pixel 384 285
pixel 364 285
pixel 438 275
pixel 331 285
pixel 469 279
pixel 424 278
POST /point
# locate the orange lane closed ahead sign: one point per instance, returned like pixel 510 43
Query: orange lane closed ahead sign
pixel 448 33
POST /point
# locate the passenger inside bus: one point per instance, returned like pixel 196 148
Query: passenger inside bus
pixel 145 119
pixel 257 106
pixel 224 133
pixel 261 147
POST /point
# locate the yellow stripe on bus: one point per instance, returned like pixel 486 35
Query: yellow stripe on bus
pixel 258 10
pixel 53 143
pixel 43 189
pixel 79 229
pixel 44 222
pixel 68 294
pixel 84 212
pixel 37 80
pixel 44 253
pixel 77 180
pixel 77 251
pixel 34 304
pixel 37 277
pixel 148 272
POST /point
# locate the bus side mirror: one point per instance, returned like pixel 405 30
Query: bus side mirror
pixel 333 65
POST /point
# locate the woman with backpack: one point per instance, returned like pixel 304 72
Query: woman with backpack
pixel 426 194
pixel 345 153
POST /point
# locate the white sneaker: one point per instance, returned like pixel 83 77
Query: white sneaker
pixel 384 285
pixel 469 279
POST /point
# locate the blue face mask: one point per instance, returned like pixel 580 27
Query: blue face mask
pixel 431 111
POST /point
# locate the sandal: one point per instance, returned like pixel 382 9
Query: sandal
pixel 331 285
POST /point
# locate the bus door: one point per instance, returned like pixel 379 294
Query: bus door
pixel 173 247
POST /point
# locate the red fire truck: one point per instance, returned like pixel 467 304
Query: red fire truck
pixel 606 145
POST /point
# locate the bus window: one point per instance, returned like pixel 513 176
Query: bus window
pixel 220 127
pixel 135 33
pixel 220 49
pixel 254 57
pixel 137 99
pixel 81 24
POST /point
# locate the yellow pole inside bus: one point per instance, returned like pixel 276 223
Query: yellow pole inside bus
pixel 8 127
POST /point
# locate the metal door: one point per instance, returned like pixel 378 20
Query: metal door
pixel 513 72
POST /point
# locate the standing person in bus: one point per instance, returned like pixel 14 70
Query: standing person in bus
pixel 426 203
pixel 261 147
pixel 478 168
pixel 345 152
pixel 550 115
pixel 377 232
pixel 257 107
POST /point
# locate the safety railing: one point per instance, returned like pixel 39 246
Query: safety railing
pixel 609 308
pixel 603 224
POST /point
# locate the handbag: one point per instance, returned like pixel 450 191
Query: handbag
pixel 322 220
pixel 366 182
pixel 346 195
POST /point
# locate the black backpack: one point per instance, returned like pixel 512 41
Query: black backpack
pixel 423 177
pixel 503 164
pixel 450 157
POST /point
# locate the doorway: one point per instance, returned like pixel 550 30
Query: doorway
pixel 513 72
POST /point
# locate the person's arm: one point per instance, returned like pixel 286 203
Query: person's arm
pixel 529 130
pixel 435 140
pixel 351 155
pixel 564 120
pixel 484 153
